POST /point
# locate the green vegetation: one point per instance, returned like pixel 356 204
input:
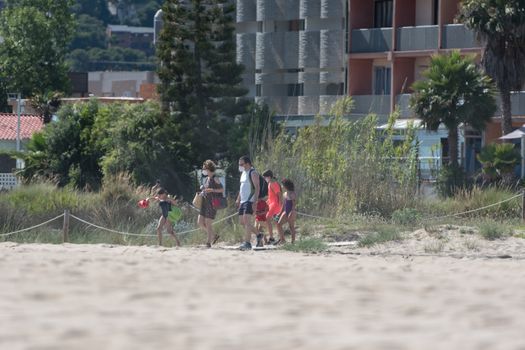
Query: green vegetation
pixel 381 234
pixel 499 27
pixel 498 160
pixel 307 245
pixel 201 84
pixel 36 35
pixel 455 91
pixel 406 216
pixel 345 166
pixel 491 230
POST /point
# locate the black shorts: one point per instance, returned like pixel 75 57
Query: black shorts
pixel 246 208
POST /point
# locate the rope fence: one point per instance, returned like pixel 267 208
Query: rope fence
pixel 66 215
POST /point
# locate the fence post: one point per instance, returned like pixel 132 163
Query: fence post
pixel 65 229
pixel 523 205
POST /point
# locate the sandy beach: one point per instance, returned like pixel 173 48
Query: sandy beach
pixel 117 297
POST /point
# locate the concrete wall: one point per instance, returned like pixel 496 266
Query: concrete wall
pixel 119 84
pixel 291 44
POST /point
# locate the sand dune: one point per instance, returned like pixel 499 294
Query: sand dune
pixel 115 297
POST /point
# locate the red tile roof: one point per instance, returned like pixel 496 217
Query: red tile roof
pixel 29 124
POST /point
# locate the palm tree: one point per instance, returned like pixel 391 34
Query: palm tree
pixel 500 27
pixel 455 91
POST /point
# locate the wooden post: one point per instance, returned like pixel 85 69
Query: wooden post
pixel 523 205
pixel 65 229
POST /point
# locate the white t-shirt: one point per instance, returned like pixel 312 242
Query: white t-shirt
pixel 246 187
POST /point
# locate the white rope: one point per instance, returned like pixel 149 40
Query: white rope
pixel 141 234
pixel 313 216
pixel 436 217
pixel 32 227
pixel 478 209
pixel 108 229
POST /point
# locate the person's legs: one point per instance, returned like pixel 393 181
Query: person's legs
pixel 171 231
pixel 291 224
pixel 269 218
pixel 160 225
pixel 209 230
pixel 280 223
pixel 201 221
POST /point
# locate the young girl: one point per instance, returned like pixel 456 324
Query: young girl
pixel 165 205
pixel 288 213
pixel 274 202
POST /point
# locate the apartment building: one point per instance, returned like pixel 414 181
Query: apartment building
pixel 390 43
pixel 138 38
pixel 294 54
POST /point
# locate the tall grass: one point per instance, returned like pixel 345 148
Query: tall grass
pixel 342 167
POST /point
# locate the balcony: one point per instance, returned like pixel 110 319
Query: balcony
pixel 417 38
pixel 371 40
pixel 376 104
pixel 517 100
pixel 457 36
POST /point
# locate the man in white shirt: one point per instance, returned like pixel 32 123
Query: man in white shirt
pixel 247 199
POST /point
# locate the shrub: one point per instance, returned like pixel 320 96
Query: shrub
pixel 450 180
pixel 492 230
pixel 383 234
pixel 308 245
pixel 406 216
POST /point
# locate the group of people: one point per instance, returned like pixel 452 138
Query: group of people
pixel 259 196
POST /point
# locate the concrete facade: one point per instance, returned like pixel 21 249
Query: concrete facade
pixel 121 84
pixel 293 52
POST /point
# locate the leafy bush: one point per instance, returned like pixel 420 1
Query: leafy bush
pixel 344 166
pixel 406 216
pixel 450 180
pixel 492 230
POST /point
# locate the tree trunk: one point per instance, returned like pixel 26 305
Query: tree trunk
pixel 453 146
pixel 506 118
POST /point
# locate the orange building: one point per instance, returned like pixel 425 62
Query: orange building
pixel 390 43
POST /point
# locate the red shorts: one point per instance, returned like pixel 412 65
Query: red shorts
pixel 261 210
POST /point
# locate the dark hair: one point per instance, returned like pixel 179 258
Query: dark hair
pixel 246 160
pixel 268 173
pixel 162 191
pixel 288 185
pixel 157 181
pixel 209 165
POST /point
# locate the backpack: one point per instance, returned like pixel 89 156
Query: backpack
pixel 263 186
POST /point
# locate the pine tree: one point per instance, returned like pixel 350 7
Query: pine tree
pixel 200 79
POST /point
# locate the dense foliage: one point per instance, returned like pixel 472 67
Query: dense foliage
pixel 500 26
pixel 346 166
pixel 36 35
pixel 200 79
pixel 455 91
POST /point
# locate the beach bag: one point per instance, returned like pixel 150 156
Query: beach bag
pixel 175 214
pixel 197 200
pixel 219 202
pixel 263 186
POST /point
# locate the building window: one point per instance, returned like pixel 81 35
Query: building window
pixel 295 89
pixel 382 80
pixel 258 90
pixel 435 14
pixel 383 10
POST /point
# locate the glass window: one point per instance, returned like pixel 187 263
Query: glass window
pixel 295 89
pixel 382 79
pixel 383 10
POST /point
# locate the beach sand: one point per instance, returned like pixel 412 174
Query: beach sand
pixel 118 297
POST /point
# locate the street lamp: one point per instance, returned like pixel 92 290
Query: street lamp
pixel 18 98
